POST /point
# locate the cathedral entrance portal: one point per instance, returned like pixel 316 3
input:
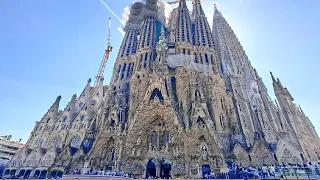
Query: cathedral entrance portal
pixel 206 170
pixel 165 169
pixel 151 169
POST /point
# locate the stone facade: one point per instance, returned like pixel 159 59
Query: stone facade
pixel 160 107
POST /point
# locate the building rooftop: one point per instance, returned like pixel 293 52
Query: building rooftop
pixel 8 148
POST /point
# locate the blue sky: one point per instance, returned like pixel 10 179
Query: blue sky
pixel 50 48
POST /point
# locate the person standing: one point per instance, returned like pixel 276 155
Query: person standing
pixel 272 170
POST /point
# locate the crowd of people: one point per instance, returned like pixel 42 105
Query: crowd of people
pixel 235 171
pixel 272 171
pixel 100 172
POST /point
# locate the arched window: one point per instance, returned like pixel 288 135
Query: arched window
pixel 123 70
pixel 153 140
pixel 206 57
pixel 221 121
pixel 197 95
pixel 195 58
pixel 145 60
pixel 157 93
pixel 200 122
pixel 165 137
pixel 129 69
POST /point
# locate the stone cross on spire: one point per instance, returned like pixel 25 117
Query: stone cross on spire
pixel 216 11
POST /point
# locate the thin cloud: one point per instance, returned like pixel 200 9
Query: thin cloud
pixel 121 30
pixel 111 11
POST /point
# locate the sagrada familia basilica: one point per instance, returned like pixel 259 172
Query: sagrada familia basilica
pixel 182 93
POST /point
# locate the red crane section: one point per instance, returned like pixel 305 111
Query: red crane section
pixel 105 57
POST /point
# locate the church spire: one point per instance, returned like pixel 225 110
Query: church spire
pixel 54 109
pixel 56 104
pixel 131 29
pixel 183 28
pixel 273 79
pixel 216 11
pixel 202 31
pixel 183 4
pixel 277 87
pixel 197 8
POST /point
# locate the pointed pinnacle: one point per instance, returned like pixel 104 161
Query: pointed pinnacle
pixel 74 96
pixel 273 79
pixel 215 7
pixel 58 98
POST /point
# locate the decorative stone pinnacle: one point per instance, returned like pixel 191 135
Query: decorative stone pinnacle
pixel 162 44
pixel 215 7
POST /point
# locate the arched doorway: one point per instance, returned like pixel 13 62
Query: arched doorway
pixel 43 174
pixel 206 170
pixel 59 174
pixel 165 169
pixel 151 169
pixel 36 173
pixel 6 172
pixel 53 173
pixel 27 174
pixel 13 172
pixel 21 173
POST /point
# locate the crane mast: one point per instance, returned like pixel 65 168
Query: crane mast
pixel 105 57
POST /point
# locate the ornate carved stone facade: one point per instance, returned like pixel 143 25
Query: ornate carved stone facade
pixel 181 94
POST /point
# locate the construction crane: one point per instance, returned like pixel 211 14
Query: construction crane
pixel 175 2
pixel 105 57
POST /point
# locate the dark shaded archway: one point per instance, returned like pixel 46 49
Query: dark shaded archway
pixel 13 172
pixel 36 174
pixel 59 174
pixel 206 170
pixel 43 174
pixel 151 169
pixel 21 172
pixel 157 93
pixel 6 172
pixel 165 169
pixel 27 173
pixel 53 174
